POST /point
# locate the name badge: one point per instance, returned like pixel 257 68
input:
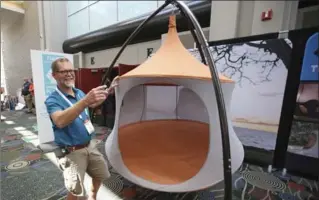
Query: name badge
pixel 89 126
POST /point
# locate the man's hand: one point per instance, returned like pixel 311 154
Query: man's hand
pixel 114 84
pixel 96 95
pixel 108 91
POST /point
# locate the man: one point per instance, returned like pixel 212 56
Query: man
pixel 68 110
pixel 26 95
pixel 1 102
pixel 31 90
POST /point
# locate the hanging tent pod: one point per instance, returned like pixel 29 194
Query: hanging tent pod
pixel 166 134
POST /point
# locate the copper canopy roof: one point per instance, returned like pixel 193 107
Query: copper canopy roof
pixel 173 60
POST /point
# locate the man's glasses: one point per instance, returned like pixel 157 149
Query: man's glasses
pixel 65 72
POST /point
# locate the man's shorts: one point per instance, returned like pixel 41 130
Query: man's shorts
pixel 75 164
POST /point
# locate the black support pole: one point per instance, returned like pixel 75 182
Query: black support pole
pixel 219 98
pixel 191 28
pixel 203 47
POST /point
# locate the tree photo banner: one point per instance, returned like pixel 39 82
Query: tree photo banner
pixel 259 69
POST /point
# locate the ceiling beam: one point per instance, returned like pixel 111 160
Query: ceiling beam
pixel 15 6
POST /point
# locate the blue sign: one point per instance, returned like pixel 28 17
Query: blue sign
pixel 49 81
pixel 310 71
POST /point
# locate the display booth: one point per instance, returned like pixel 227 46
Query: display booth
pixel 263 70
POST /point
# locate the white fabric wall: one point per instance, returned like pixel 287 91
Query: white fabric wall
pixel 161 102
pixel 132 106
pixel 148 102
pixel 191 107
pixel 205 177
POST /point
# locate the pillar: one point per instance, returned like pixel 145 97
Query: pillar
pixel 224 19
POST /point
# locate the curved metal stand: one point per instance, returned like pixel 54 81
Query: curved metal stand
pixel 203 47
pixel 191 28
pixel 219 97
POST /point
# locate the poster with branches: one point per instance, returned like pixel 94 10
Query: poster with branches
pixel 259 69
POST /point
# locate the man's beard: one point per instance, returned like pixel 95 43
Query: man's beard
pixel 68 84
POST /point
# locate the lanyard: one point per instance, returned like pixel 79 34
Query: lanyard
pixel 69 102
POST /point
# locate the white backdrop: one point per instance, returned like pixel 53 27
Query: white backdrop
pixel 44 84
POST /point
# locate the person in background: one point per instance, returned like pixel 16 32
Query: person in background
pixel 73 130
pixel 1 102
pixel 31 90
pixel 26 95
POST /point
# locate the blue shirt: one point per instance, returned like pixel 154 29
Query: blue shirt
pixel 75 133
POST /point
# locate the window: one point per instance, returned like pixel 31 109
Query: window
pixel 102 14
pixel 86 16
pixel 162 2
pixel 91 2
pixel 75 6
pixel 130 9
pixel 78 23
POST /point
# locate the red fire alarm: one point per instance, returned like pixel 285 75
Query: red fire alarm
pixel 266 15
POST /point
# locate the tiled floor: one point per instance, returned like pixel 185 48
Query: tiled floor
pixel 26 174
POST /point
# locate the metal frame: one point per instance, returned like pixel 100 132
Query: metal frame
pixel 283 159
pixel 203 47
